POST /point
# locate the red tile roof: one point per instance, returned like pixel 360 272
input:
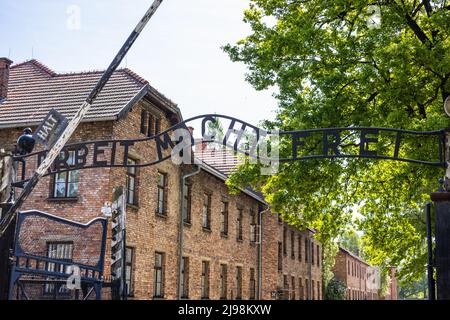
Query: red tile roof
pixel 34 89
pixel 221 159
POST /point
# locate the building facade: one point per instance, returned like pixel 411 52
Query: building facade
pixel 361 279
pixel 187 238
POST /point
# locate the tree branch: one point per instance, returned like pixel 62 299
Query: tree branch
pixel 428 7
pixel 420 34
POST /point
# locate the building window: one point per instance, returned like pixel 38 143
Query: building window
pixel 147 122
pixel 280 220
pixel 286 286
pixel 293 288
pixel 318 255
pixel 348 267
pixel 131 182
pixel 312 254
pixel 253 227
pixel 157 125
pixel 129 261
pixel 239 223
pixel 300 289
pixel 306 249
pixel 158 289
pixel 292 245
pixel 205 280
pixel 223 281
pixel 280 256
pixel 238 282
pixel 284 240
pixel 62 251
pixel 206 211
pixel 300 248
pixel 66 183
pixel 224 219
pixel 144 122
pixel 187 203
pixel 318 290
pixel 162 195
pixel 252 284
pixel 184 278
pixel 312 287
pixel 307 288
pixel 150 131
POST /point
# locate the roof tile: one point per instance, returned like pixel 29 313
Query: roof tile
pixel 34 89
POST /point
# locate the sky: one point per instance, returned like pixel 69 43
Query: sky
pixel 179 52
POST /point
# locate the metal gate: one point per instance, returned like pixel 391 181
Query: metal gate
pixel 55 258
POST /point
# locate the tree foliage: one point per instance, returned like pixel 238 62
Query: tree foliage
pixel 335 290
pixel 351 241
pixel 332 68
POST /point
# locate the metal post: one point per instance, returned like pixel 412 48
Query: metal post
pixel 430 266
pixel 76 120
pixel 442 235
pixel 6 240
pixel 441 202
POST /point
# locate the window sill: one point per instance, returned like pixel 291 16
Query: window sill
pixel 224 235
pixel 208 230
pixel 239 240
pixel 161 215
pixel 71 199
pixel 187 224
pixel 133 206
pixel 159 298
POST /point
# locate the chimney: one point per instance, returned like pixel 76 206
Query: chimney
pixel 4 77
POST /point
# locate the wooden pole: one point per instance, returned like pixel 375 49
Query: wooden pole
pixel 6 175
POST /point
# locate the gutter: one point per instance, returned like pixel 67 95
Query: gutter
pixel 181 225
pixel 259 262
pixel 310 244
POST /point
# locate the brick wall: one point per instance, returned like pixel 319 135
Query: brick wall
pixel 360 278
pixel 300 273
pixel 149 232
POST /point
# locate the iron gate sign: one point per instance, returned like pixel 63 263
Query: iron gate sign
pixel 331 143
pixel 51 128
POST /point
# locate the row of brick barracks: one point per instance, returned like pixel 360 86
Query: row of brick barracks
pixel 187 236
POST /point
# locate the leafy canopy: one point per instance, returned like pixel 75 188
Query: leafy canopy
pixel 335 64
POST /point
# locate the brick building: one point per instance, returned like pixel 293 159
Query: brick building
pixel 392 293
pixel 186 237
pixel 362 280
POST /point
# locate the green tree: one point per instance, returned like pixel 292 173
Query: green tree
pixel 414 290
pixel 336 290
pixel 351 241
pixel 333 67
